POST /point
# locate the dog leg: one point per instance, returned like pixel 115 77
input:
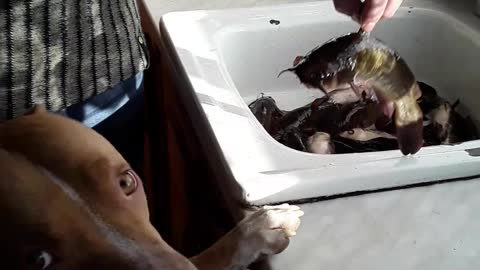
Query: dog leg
pixel 264 232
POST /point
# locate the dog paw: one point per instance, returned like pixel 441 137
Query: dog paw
pixel 271 228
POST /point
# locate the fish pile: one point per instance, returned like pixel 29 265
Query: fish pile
pixel 341 123
pixel 372 103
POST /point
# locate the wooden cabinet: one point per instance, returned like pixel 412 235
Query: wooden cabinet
pixel 193 197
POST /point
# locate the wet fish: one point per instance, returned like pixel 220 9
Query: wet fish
pixel 363 135
pixel 347 145
pixel 335 118
pixel 320 143
pixel 292 137
pixel 449 127
pixel 266 111
pixel 342 122
pixel 429 98
pixel 444 124
pixel 367 65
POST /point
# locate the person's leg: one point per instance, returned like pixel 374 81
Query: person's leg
pixel 125 131
pixel 118 115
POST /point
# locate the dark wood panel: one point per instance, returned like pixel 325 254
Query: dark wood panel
pixel 193 197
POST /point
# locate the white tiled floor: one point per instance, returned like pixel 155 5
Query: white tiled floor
pixel 436 227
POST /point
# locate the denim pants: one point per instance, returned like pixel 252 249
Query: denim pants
pixel 118 115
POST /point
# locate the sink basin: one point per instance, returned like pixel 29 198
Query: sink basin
pixel 232 56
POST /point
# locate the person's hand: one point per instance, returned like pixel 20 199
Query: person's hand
pixel 371 13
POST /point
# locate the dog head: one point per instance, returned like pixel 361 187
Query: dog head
pixel 68 200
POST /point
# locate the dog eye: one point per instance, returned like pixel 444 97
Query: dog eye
pixel 128 183
pixel 39 260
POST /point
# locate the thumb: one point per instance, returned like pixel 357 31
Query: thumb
pixel 372 12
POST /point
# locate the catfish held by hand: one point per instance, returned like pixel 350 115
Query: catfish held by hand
pixel 371 69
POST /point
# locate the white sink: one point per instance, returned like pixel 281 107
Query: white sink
pixel 231 56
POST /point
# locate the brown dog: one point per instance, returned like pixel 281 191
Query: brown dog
pixel 68 200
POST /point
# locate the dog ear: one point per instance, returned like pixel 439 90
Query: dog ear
pixel 36 109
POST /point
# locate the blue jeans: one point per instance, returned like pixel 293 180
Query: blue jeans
pixel 118 115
